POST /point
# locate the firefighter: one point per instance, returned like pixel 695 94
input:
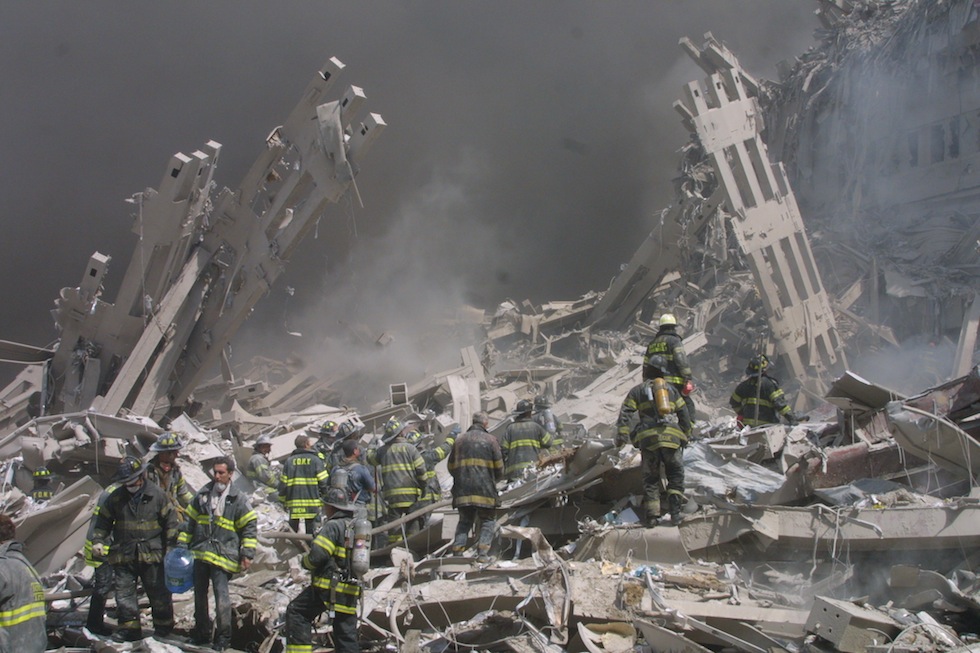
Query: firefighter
pixel 758 399
pixel 303 482
pixel 402 474
pixel 220 531
pixel 431 456
pixel 42 490
pixel 142 523
pixel 164 471
pixel 522 441
pixel 476 463
pixel 103 578
pixel 669 344
pixel 326 440
pixel 23 615
pixel 333 586
pixel 544 416
pixel 661 432
pixel 259 469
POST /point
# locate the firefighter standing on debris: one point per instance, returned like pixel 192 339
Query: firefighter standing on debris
pixel 669 344
pixel 432 491
pixel 303 482
pixel 220 531
pixel 402 475
pixel 476 463
pixel 259 469
pixel 333 585
pixel 544 416
pixel 42 490
pixel 142 524
pixel 660 434
pixel 758 399
pixel 164 472
pixel 326 442
pixel 522 441
pixel 23 615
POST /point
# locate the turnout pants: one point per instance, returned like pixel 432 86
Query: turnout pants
pixel 468 516
pixel 673 465
pixel 303 611
pixel 127 602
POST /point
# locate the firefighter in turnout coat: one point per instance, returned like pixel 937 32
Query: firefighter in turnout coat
pixel 402 475
pixel 332 588
pixel 522 441
pixel 660 434
pixel 303 484
pixel 758 399
pixel 142 524
pixel 164 471
pixel 22 609
pixel 220 531
pixel 476 463
pixel 669 344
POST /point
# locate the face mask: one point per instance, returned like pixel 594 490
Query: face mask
pixel 133 489
pixel 220 487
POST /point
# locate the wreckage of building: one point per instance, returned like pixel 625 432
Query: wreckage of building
pixel 857 530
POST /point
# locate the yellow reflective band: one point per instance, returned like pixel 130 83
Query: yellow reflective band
pixel 33 610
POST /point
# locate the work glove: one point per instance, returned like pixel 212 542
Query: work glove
pixel 98 550
pixel 689 387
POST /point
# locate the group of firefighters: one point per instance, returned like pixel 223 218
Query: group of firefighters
pixel 334 489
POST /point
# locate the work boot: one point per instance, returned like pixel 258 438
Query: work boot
pixel 483 554
pixel 459 550
pixel 675 502
pixel 199 637
pixel 652 517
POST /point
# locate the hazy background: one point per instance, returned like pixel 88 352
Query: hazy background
pixel 528 143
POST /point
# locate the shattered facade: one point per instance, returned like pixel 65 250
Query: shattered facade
pixel 856 530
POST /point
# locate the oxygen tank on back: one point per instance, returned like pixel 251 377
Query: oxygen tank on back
pixel 662 396
pixel 360 549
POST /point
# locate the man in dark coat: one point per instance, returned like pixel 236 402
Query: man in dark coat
pixel 303 484
pixel 142 523
pixel 522 441
pixel 476 463
pixel 758 399
pixel 660 433
pixel 669 344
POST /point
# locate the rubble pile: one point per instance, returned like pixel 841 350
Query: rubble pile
pixel 853 530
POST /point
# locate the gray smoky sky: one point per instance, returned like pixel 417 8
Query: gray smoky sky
pixel 528 146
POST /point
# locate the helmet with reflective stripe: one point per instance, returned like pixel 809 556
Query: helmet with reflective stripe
pixel 337 497
pixel 541 402
pixel 327 428
pixel 168 441
pixel 130 468
pixel 523 406
pixel 42 472
pixel 668 319
pixel 757 363
pixel 392 428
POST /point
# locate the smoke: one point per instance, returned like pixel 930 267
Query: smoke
pixel 528 144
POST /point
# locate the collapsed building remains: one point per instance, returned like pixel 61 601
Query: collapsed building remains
pixel 854 531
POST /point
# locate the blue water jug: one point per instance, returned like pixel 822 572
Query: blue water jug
pixel 178 570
